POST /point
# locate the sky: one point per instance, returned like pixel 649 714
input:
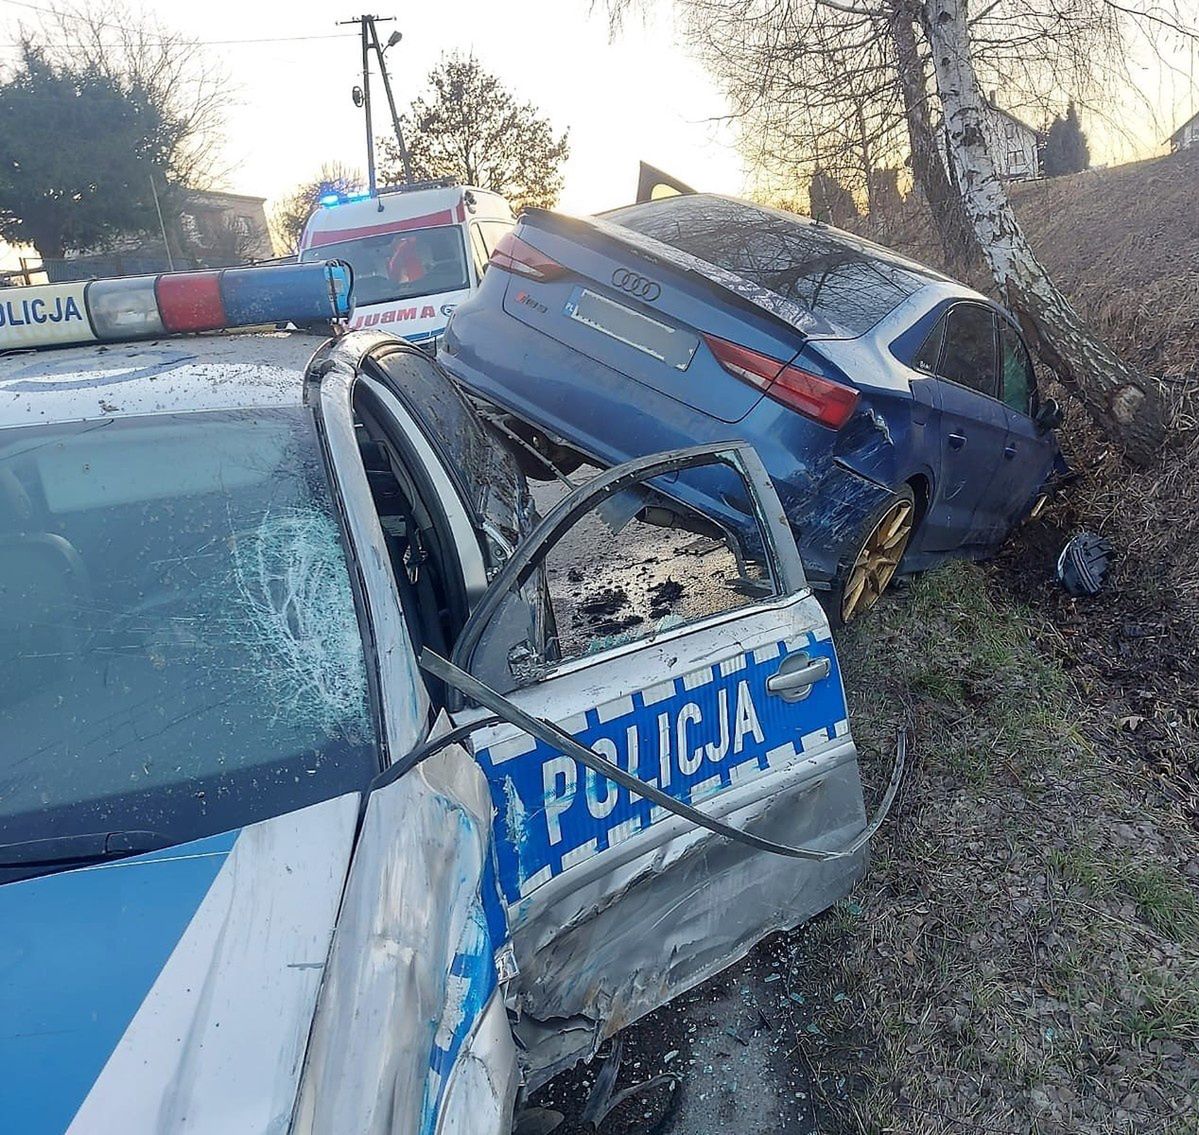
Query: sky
pixel 637 96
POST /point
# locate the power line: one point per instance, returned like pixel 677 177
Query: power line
pixel 181 38
pixel 188 42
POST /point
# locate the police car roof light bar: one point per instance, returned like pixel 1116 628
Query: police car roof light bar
pixel 141 307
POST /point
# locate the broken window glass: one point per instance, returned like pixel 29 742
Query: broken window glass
pixel 638 564
pixel 179 644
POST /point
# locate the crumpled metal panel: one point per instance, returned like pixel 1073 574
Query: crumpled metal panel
pixel 697 734
pixel 834 514
pixel 601 956
pixel 617 906
pixel 406 1032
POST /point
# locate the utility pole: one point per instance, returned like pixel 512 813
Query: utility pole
pixel 362 95
pixel 166 244
pixel 392 40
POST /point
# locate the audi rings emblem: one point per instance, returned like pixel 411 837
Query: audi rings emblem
pixel 639 286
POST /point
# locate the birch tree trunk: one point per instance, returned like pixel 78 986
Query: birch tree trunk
pixel 928 168
pixel 1126 405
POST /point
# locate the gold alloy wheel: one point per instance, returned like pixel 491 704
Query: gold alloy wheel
pixel 878 560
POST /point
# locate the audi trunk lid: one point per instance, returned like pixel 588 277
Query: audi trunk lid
pixel 640 314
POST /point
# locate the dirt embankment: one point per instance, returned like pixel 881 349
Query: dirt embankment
pixel 1029 955
pixel 1123 244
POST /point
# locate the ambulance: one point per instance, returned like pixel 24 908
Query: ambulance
pixel 417 251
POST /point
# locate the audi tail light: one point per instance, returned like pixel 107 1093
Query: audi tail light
pixel 521 258
pixel 828 403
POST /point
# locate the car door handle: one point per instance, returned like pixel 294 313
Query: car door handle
pixel 956 441
pixel 1009 451
pixel 794 679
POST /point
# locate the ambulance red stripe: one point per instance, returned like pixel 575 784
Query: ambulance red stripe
pixel 332 236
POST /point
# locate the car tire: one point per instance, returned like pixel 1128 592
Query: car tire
pixel 872 559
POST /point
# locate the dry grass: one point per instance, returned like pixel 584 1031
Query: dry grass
pixel 1024 955
pixel 1123 243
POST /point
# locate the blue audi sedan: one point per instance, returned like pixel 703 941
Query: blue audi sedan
pixel 895 409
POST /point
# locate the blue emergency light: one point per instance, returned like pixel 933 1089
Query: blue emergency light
pixel 343 198
pixel 140 307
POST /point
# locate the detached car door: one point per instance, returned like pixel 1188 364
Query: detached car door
pixel 730 701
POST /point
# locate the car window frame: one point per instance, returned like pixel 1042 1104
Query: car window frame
pixel 387 641
pixel 784 563
pixel 475 493
pixel 1030 409
pixel 479 254
pixel 996 397
pixel 937 330
pixel 441 497
pixel 483 222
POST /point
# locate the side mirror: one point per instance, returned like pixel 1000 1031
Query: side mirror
pixel 1049 415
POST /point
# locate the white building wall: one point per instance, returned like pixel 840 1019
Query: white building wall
pixel 1013 147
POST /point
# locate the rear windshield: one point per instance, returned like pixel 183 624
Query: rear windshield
pixel 848 283
pixel 179 645
pixel 401 266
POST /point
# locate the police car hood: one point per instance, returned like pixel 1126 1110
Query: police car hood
pixel 175 990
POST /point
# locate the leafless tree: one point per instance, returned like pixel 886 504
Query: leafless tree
pixel 801 72
pixel 105 116
pixel 225 240
pixel 164 69
pixel 1125 404
pixel 290 213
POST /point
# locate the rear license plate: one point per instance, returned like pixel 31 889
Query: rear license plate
pixel 667 344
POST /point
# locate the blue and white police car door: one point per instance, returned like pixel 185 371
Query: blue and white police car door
pixel 708 671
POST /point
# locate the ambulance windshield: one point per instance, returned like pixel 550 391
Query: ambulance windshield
pixel 400 266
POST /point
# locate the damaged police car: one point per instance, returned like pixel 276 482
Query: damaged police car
pixel 319 809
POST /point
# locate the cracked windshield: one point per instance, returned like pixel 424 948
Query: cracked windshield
pixel 180 652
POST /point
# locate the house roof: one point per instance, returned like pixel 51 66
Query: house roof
pixel 1183 126
pixel 1009 116
pixel 220 197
